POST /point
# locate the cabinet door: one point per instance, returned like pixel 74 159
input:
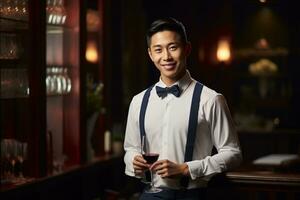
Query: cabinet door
pixel 62 84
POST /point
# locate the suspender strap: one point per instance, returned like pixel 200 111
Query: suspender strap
pixel 192 128
pixel 193 122
pixel 143 112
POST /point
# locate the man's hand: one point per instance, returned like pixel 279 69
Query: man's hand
pixel 168 169
pixel 140 165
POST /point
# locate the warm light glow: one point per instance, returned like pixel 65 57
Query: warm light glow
pixel 93 21
pixel 223 51
pixel 262 1
pixel 91 53
pixel 262 43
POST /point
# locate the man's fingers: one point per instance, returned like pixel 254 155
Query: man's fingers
pixel 139 163
pixel 159 165
pixel 140 159
pixel 162 171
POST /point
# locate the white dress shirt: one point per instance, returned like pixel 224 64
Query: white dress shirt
pixel 166 126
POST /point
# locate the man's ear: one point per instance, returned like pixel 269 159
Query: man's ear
pixel 149 53
pixel 188 48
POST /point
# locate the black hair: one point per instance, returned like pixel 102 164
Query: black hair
pixel 167 24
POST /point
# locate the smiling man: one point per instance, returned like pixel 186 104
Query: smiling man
pixel 179 119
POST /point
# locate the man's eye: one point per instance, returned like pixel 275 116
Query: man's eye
pixel 157 50
pixel 173 48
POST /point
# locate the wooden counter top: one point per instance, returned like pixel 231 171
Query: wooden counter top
pixel 251 178
pixel 264 177
pixel 249 183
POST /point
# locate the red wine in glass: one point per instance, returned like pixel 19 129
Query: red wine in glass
pixel 150 157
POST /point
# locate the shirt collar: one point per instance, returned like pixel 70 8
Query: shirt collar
pixel 183 83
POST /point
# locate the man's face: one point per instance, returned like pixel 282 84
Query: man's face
pixel 168 54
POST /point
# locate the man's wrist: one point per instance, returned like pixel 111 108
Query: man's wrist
pixel 185 170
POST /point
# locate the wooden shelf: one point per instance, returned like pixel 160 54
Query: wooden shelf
pixel 11 24
pixel 86 181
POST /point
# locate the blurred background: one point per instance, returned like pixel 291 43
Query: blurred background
pixel 69 70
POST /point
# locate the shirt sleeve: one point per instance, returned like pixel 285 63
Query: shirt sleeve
pixel 224 138
pixel 132 142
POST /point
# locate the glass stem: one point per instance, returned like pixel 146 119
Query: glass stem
pixel 152 182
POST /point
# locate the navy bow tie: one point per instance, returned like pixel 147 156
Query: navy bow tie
pixel 163 92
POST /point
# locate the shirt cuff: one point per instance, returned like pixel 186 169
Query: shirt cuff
pixel 194 170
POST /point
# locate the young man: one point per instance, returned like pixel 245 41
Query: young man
pixel 181 120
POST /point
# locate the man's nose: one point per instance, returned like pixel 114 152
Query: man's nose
pixel 167 55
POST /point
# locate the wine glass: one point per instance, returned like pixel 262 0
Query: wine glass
pixel 151 158
pixel 22 156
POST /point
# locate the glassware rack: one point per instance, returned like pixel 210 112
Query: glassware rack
pixel 13 31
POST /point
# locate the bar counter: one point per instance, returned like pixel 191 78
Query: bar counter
pixel 249 182
pixel 270 178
